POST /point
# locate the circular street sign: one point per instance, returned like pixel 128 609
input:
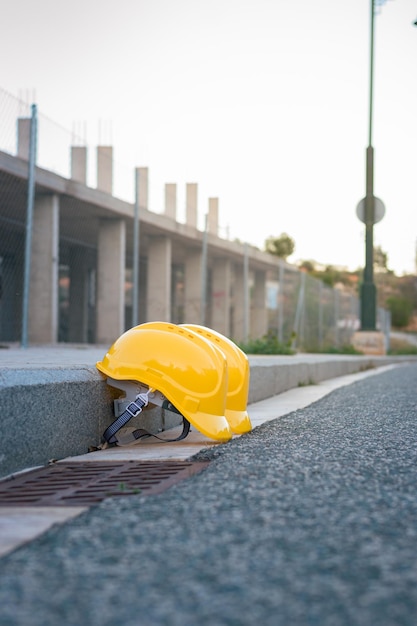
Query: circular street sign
pixel 379 210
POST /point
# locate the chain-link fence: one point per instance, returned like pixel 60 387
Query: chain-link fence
pixel 309 315
pixel 300 310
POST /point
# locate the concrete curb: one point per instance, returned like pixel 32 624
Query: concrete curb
pixel 52 412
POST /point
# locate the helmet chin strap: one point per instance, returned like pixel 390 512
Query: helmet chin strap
pixel 136 398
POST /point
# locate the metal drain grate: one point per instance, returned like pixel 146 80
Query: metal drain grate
pixel 67 484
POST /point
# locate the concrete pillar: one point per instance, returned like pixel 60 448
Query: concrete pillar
pixel 43 295
pixel 159 279
pixel 192 286
pixel 213 216
pixel 171 200
pixel 142 174
pixel 221 295
pixel 79 164
pixel 23 137
pixel 259 313
pixel 105 168
pixel 191 204
pixel 238 322
pixel 110 280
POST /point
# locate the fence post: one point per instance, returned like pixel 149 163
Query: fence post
pixel 204 273
pixel 387 318
pixel 135 277
pixel 281 302
pixel 299 312
pixel 320 337
pixel 29 225
pixel 246 293
pixel 336 316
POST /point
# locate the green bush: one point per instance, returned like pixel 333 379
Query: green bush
pixel 401 347
pixel 401 311
pixel 346 349
pixel 268 344
pixel 403 350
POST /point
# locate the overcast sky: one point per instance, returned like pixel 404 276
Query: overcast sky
pixel 263 103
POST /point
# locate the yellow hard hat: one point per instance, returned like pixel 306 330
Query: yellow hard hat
pixel 185 367
pixel 238 378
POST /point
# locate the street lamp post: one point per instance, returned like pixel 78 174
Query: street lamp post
pixel 370 210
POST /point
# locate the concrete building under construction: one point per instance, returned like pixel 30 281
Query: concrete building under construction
pixel 98 265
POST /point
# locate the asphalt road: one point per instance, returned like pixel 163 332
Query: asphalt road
pixel 311 519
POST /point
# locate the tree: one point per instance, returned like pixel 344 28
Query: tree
pixel 307 266
pixel 380 259
pixel 282 246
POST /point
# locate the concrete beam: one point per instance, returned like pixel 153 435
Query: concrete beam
pixel 105 169
pixel 79 164
pixel 191 204
pixel 171 200
pixel 23 137
pixel 213 216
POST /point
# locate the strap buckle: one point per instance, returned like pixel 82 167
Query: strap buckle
pixel 134 408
